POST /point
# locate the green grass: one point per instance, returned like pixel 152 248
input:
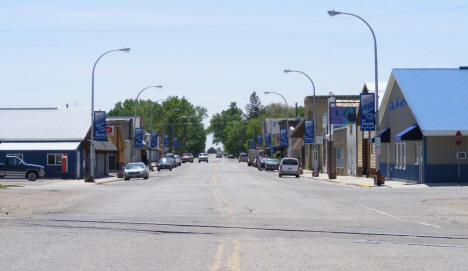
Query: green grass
pixel 2 186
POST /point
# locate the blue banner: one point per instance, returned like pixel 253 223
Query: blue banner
pixel 268 139
pixel 138 137
pixel 367 109
pixel 251 144
pixel 154 140
pixel 259 141
pixel 343 115
pixel 100 126
pixel 176 143
pixel 309 133
pixel 283 138
pixel 272 149
pixel 166 141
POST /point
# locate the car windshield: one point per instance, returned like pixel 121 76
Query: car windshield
pixel 135 166
pixel 273 161
pixel 163 160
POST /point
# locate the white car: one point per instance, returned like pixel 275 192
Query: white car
pixel 136 170
pixel 289 166
pixel 202 157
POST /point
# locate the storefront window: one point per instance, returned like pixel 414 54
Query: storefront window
pixel 54 159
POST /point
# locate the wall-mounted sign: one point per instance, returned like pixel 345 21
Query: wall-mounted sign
pixel 343 115
pixel 283 138
pixel 110 130
pixel 138 137
pixel 309 133
pixel 154 139
pixel 397 103
pixel 100 126
pixel 367 109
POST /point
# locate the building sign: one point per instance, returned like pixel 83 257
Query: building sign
pixel 251 144
pixel 397 104
pixel 309 133
pixel 176 142
pixel 259 141
pixel 154 139
pixel 138 137
pixel 110 130
pixel 283 138
pixel 268 139
pixel 367 105
pixel 100 126
pixel 166 141
pixel 343 115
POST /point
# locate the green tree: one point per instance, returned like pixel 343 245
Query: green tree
pixel 277 110
pixel 255 107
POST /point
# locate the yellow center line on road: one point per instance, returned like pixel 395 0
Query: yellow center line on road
pixel 219 254
pixel 234 261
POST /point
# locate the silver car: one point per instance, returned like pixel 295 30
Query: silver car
pixel 178 160
pixel 136 170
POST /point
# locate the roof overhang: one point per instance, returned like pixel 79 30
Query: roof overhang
pixel 442 132
pixel 39 146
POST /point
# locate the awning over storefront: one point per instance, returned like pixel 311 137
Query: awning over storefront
pixel 411 133
pixel 104 146
pixel 384 136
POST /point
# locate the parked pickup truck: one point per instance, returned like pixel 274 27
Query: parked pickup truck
pixel 15 167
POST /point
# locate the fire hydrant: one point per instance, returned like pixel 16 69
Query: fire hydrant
pixel 379 179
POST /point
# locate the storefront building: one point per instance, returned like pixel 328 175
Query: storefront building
pixel 420 114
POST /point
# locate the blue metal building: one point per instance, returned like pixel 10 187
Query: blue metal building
pixel 420 114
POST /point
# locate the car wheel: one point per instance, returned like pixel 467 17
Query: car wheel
pixel 31 176
pixel 170 169
pixel 297 176
pixel 159 169
pixel 280 175
pixel 127 178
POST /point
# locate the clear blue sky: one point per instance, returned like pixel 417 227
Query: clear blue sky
pixel 215 52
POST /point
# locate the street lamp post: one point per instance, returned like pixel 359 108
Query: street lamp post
pixel 134 117
pixel 287 114
pixel 91 151
pixel 334 13
pixel 315 173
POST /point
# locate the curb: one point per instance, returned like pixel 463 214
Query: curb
pixel 108 181
pixel 343 183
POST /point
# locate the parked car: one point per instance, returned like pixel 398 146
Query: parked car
pixel 243 157
pixel 271 164
pixel 187 157
pixel 136 170
pixel 202 157
pixel 252 156
pixel 164 163
pixel 219 155
pixel 172 160
pixel 178 160
pixel 289 166
pixel 15 167
pixel 261 163
pixel 231 156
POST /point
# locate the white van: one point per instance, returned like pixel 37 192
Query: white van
pixel 289 166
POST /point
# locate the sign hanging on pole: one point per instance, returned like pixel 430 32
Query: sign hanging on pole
pixel 138 137
pixel 367 109
pixel 100 126
pixel 283 138
pixel 343 115
pixel 309 133
pixel 259 141
pixel 176 143
pixel 268 139
pixel 166 141
pixel 154 140
pixel 251 144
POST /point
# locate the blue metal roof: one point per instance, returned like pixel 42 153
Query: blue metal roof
pixel 438 98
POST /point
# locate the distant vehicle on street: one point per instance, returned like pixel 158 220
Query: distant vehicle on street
pixel 15 167
pixel 187 157
pixel 243 157
pixel 202 157
pixel 252 155
pixel 136 170
pixel 261 163
pixel 219 155
pixel 164 163
pixel 172 160
pixel 231 156
pixel 178 160
pixel 271 164
pixel 289 166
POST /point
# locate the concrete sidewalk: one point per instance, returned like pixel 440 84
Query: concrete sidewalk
pixel 361 181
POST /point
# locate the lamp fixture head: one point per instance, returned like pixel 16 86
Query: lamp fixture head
pixel 333 13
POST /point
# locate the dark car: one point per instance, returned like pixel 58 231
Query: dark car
pixel 16 167
pixel 219 155
pixel 164 163
pixel 231 156
pixel 271 164
pixel 261 163
pixel 243 157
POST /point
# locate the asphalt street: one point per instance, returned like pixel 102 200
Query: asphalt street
pixel 225 215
